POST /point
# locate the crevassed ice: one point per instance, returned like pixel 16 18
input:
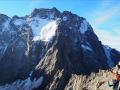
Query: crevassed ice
pixel 84 26
pixel 43 29
pixel 48 31
pixel 36 24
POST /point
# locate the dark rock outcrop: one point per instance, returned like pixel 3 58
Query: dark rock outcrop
pixel 74 53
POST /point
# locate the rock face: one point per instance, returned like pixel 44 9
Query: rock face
pixel 75 57
pixel 61 50
pixel 14 55
pixel 23 42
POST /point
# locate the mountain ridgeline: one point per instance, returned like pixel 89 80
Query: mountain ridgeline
pixel 52 50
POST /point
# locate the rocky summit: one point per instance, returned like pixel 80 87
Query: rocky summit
pixel 53 50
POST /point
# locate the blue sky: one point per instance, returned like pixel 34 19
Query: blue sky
pixel 103 15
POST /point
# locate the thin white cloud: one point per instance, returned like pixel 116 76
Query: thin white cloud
pixel 117 30
pixel 105 15
pixel 106 3
pixel 108 38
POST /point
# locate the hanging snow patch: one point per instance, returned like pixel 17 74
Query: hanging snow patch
pixel 84 27
pixel 23 84
pixel 37 83
pixel 36 24
pixel 43 29
pixel 6 25
pixel 86 47
pixel 65 18
pixel 48 31
pixel 36 38
pixel 19 22
pixel 107 51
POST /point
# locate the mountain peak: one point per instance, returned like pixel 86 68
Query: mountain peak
pixel 3 18
pixel 46 13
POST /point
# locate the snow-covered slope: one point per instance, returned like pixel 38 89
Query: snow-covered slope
pixel 26 84
pixel 43 29
pixel 84 26
pixel 107 52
